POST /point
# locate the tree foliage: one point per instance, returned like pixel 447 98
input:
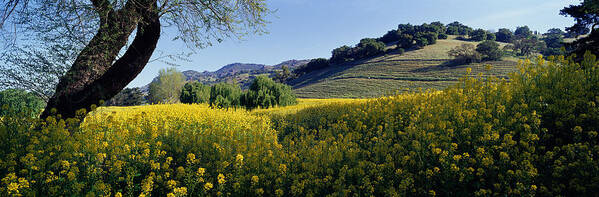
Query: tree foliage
pixel 478 35
pixel 465 54
pixel 457 28
pixel 489 50
pixel 195 92
pixel 586 15
pixel 167 88
pixel 225 95
pixel 504 35
pixel 20 102
pixel 523 32
pixel 265 93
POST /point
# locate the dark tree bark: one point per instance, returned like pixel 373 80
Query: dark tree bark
pixel 93 76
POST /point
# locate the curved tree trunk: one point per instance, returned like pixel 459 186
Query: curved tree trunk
pixel 93 76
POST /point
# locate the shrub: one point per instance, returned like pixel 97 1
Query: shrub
pixel 195 92
pixel 225 95
pixel 489 50
pixel 265 93
pixel 20 102
pixel 465 54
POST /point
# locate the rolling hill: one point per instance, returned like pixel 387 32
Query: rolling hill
pixel 425 68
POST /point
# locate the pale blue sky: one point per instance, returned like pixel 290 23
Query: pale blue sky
pixel 305 29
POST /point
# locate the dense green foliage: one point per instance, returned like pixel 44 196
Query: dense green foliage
pixel 504 35
pixel 489 50
pixel 465 54
pixel 20 102
pixel 265 93
pixel 554 41
pixel 478 35
pixel 167 88
pixel 314 64
pixel 457 28
pixel 225 95
pixel 195 92
pixel 522 32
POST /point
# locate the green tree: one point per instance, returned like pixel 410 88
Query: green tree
pixel 17 102
pixel 107 62
pixel 406 41
pixel 369 47
pixel 265 93
pixel 527 46
pixel 491 36
pixel 195 92
pixel 283 75
pixel 465 54
pixel 127 97
pixel 167 87
pixel 523 32
pixel 586 15
pixel 554 40
pixel 341 54
pixel 504 35
pixel 390 36
pixel 489 50
pixel 478 35
pixel 225 95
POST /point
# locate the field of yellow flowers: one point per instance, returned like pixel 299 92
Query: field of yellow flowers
pixel 535 135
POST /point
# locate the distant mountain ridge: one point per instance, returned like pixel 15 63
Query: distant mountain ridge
pixel 241 73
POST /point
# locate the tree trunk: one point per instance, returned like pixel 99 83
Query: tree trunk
pixel 93 76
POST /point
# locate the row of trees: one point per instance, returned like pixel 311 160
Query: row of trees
pixel 262 93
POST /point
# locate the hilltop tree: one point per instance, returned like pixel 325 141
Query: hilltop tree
pixel 341 54
pixel 101 69
pixel 528 46
pixel 406 41
pixel 586 15
pixel 465 54
pixel 523 32
pixel 489 50
pixel 457 28
pixel 369 47
pixel 478 35
pixel 554 40
pixel 390 36
pixel 504 35
pixel 167 88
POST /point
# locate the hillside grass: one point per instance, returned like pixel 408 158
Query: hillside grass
pixel 427 68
